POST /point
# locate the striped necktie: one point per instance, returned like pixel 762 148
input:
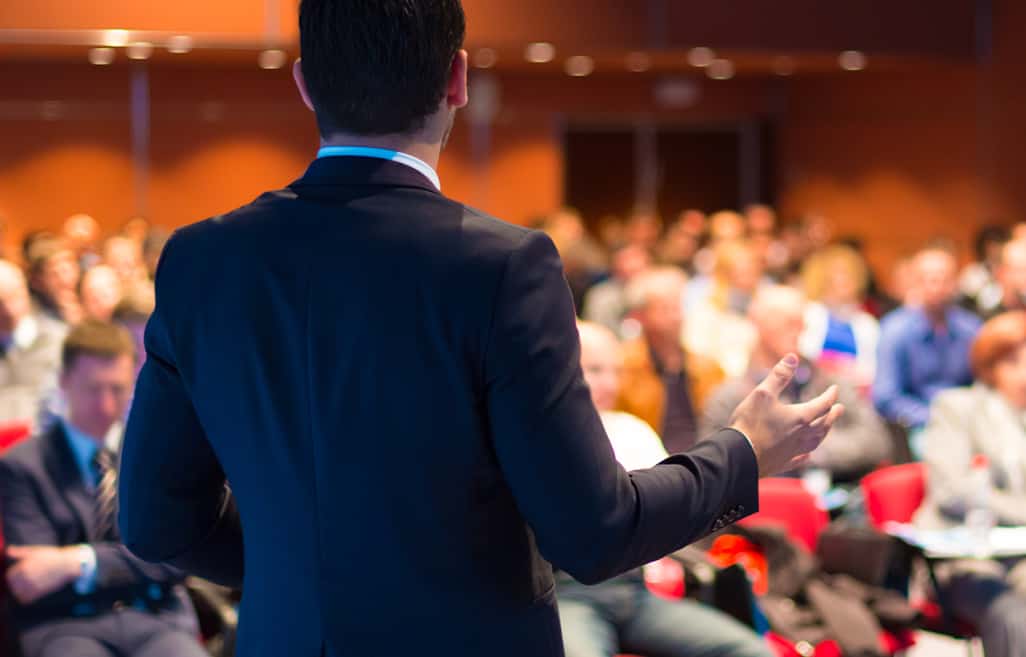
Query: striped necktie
pixel 106 495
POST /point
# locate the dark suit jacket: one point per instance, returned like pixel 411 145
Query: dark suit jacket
pixel 390 382
pixel 43 501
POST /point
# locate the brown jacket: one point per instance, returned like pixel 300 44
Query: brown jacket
pixel 642 392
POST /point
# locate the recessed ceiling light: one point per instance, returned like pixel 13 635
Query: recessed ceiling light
pixel 720 69
pixel 115 38
pixel 701 57
pixel 272 59
pixel 139 50
pixel 638 62
pixel 485 58
pixel 852 60
pixel 580 66
pixel 540 53
pixel 783 66
pixel 179 44
pixel 101 56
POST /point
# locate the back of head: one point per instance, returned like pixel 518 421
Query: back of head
pixel 378 67
pixel 97 339
pixel 778 313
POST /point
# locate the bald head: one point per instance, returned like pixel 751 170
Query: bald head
pixel 778 313
pixel 602 363
pixel 101 292
pixel 14 298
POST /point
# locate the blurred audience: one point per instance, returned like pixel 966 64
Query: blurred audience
pixel 925 348
pixel 82 234
pixel 717 307
pixel 54 276
pixel 839 337
pixel 125 256
pixel 644 228
pixel 969 426
pixel 978 283
pixel 621 614
pixel 857 443
pixel 681 242
pixel 584 261
pixel 606 303
pixel 76 590
pixel 30 348
pixel 664 385
pixel 152 248
pixel 101 292
pixel 761 221
pixel 1010 278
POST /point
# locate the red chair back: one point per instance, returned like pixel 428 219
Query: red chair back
pixel 894 494
pixel 12 433
pixel 786 503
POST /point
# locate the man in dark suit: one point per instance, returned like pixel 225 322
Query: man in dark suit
pixel 77 592
pixel 390 381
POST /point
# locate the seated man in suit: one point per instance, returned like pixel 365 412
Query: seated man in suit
pixel 76 591
pixel 30 348
pixel 621 614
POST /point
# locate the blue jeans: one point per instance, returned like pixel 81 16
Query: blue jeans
pixel 621 615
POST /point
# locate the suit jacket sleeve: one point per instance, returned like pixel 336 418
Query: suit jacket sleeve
pixel 590 517
pixel 175 505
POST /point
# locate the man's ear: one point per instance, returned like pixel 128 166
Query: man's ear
pixel 456 95
pixel 297 75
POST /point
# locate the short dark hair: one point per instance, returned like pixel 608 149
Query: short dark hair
pixel 98 339
pixel 377 67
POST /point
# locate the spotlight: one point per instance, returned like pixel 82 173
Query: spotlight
pixel 270 60
pixel 485 58
pixel 140 50
pixel 115 38
pixel 580 66
pixel 540 53
pixel 720 69
pixel 179 44
pixel 101 56
pixel 638 62
pixel 852 60
pixel 701 57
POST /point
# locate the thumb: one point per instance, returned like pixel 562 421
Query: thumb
pixel 780 377
pixel 18 551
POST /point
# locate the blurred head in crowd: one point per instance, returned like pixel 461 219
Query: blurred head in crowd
pixel 602 363
pixel 988 244
pixel 819 231
pixel 1018 231
pixel 137 229
pixel 133 312
pixel 52 266
pixel 736 275
pixel 30 239
pixel 383 68
pixel 97 376
pixel 903 282
pixel 81 232
pixel 629 261
pixel 693 222
pixel 14 299
pixel 761 219
pixel 101 292
pixel 152 248
pixel 998 357
pixel 643 229
pixel 679 245
pixel 726 226
pixel 837 276
pixel 1011 274
pixel 778 314
pixel 565 227
pixel 656 301
pixel 936 280
pixel 124 256
pixel 610 231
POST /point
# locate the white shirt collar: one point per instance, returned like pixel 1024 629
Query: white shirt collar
pixel 415 163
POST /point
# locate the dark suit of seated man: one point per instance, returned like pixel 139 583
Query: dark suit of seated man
pixel 76 591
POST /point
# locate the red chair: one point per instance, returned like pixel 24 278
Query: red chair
pixel 786 503
pixel 12 433
pixel 894 494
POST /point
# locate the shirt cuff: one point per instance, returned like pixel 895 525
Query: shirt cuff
pixel 86 582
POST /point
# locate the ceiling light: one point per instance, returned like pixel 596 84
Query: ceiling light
pixel 783 66
pixel 852 60
pixel 638 62
pixel 720 69
pixel 139 50
pixel 180 44
pixel 540 53
pixel 701 57
pixel 101 56
pixel 272 59
pixel 580 66
pixel 115 38
pixel 485 58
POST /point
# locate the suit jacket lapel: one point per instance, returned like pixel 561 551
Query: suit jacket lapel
pixel 64 472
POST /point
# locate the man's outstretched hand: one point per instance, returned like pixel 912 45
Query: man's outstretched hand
pixel 782 435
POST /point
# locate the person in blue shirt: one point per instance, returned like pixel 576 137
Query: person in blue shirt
pixel 924 349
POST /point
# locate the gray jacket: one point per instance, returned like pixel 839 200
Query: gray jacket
pixel 29 367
